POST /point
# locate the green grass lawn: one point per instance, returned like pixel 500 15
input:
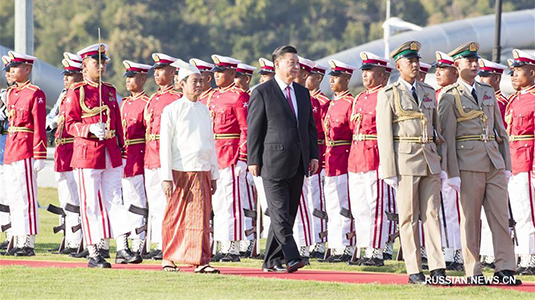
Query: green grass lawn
pixel 19 282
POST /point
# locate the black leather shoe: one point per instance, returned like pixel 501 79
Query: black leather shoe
pixel 418 278
pixel 83 254
pixel 276 269
pixel 53 250
pixel 357 262
pixel 4 245
pixel 488 265
pixel 454 266
pixel 230 258
pixel 387 256
pixel 294 265
pixel 126 256
pixel 438 277
pixel 216 257
pixel 105 253
pixel 98 262
pixel 25 251
pixel 158 255
pixel 526 271
pixel 317 254
pixel 373 262
pixel 12 251
pixel 68 251
pixel 506 277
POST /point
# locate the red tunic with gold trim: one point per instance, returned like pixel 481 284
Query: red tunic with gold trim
pixel 520 119
pixel 64 141
pixel 364 154
pixel 502 104
pixel 338 134
pixel 228 108
pixel 132 109
pixel 203 98
pixel 152 117
pixel 83 108
pixel 26 109
pixel 323 106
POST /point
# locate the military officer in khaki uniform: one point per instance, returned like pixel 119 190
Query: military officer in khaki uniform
pixel 478 163
pixel 407 125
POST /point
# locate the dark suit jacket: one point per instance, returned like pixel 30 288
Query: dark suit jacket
pixel 275 140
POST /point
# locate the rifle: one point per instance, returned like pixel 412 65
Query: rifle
pixel 512 222
pixel 444 220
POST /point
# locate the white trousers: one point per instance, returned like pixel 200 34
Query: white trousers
pixel 336 198
pixel 101 205
pixel 522 196
pixel 315 195
pixel 486 247
pixel 303 227
pixel 262 201
pixel 134 194
pixel 68 193
pixel 450 197
pixel 248 198
pixel 4 217
pixel 391 207
pixel 157 202
pixel 368 196
pixel 229 222
pixel 21 187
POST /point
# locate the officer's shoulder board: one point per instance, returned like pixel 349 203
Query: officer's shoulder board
pixel 32 87
pixel 358 95
pixel 173 92
pixel 237 90
pixel 77 85
pixel 426 86
pixel 349 98
pixel 390 87
pixel 322 98
pixel 449 88
pixel 108 85
pixel 484 85
pixel 145 98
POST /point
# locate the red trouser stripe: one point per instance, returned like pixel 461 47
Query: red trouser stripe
pixel 28 196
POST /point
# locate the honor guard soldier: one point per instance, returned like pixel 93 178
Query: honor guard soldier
pixel 25 152
pixel 5 221
pixel 133 181
pixel 65 178
pixel 520 117
pixel 207 77
pixel 338 142
pixel 368 193
pixel 92 117
pixel 424 69
pixel 163 75
pixel 315 183
pixel 228 107
pixel 491 74
pixel 244 73
pixel 303 230
pixel 267 70
pixel 478 163
pixel 446 74
pixel 407 127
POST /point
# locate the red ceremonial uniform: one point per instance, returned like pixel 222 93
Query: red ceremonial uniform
pixel 83 109
pixel 502 103
pixel 520 119
pixel 228 108
pixel 324 105
pixel 203 98
pixel 26 109
pixel 152 117
pixel 132 109
pixel 64 141
pixel 364 154
pixel 338 134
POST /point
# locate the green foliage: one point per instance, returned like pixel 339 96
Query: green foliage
pixel 245 29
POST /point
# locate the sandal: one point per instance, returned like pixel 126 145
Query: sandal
pixel 206 269
pixel 170 268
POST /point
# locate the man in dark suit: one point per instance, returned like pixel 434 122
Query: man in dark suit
pixel 282 148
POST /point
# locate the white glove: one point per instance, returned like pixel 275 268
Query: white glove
pixel 392 181
pixel 124 162
pixel 38 165
pixel 2 115
pixel 98 130
pixel 507 175
pixel 455 183
pixel 241 167
pixel 250 179
pixel 52 124
pixel 443 175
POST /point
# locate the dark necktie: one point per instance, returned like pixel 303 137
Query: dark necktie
pixel 289 98
pixel 413 90
pixel 474 94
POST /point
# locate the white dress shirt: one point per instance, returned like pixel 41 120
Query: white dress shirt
pixel 408 85
pixel 469 87
pixel 187 139
pixel 283 87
